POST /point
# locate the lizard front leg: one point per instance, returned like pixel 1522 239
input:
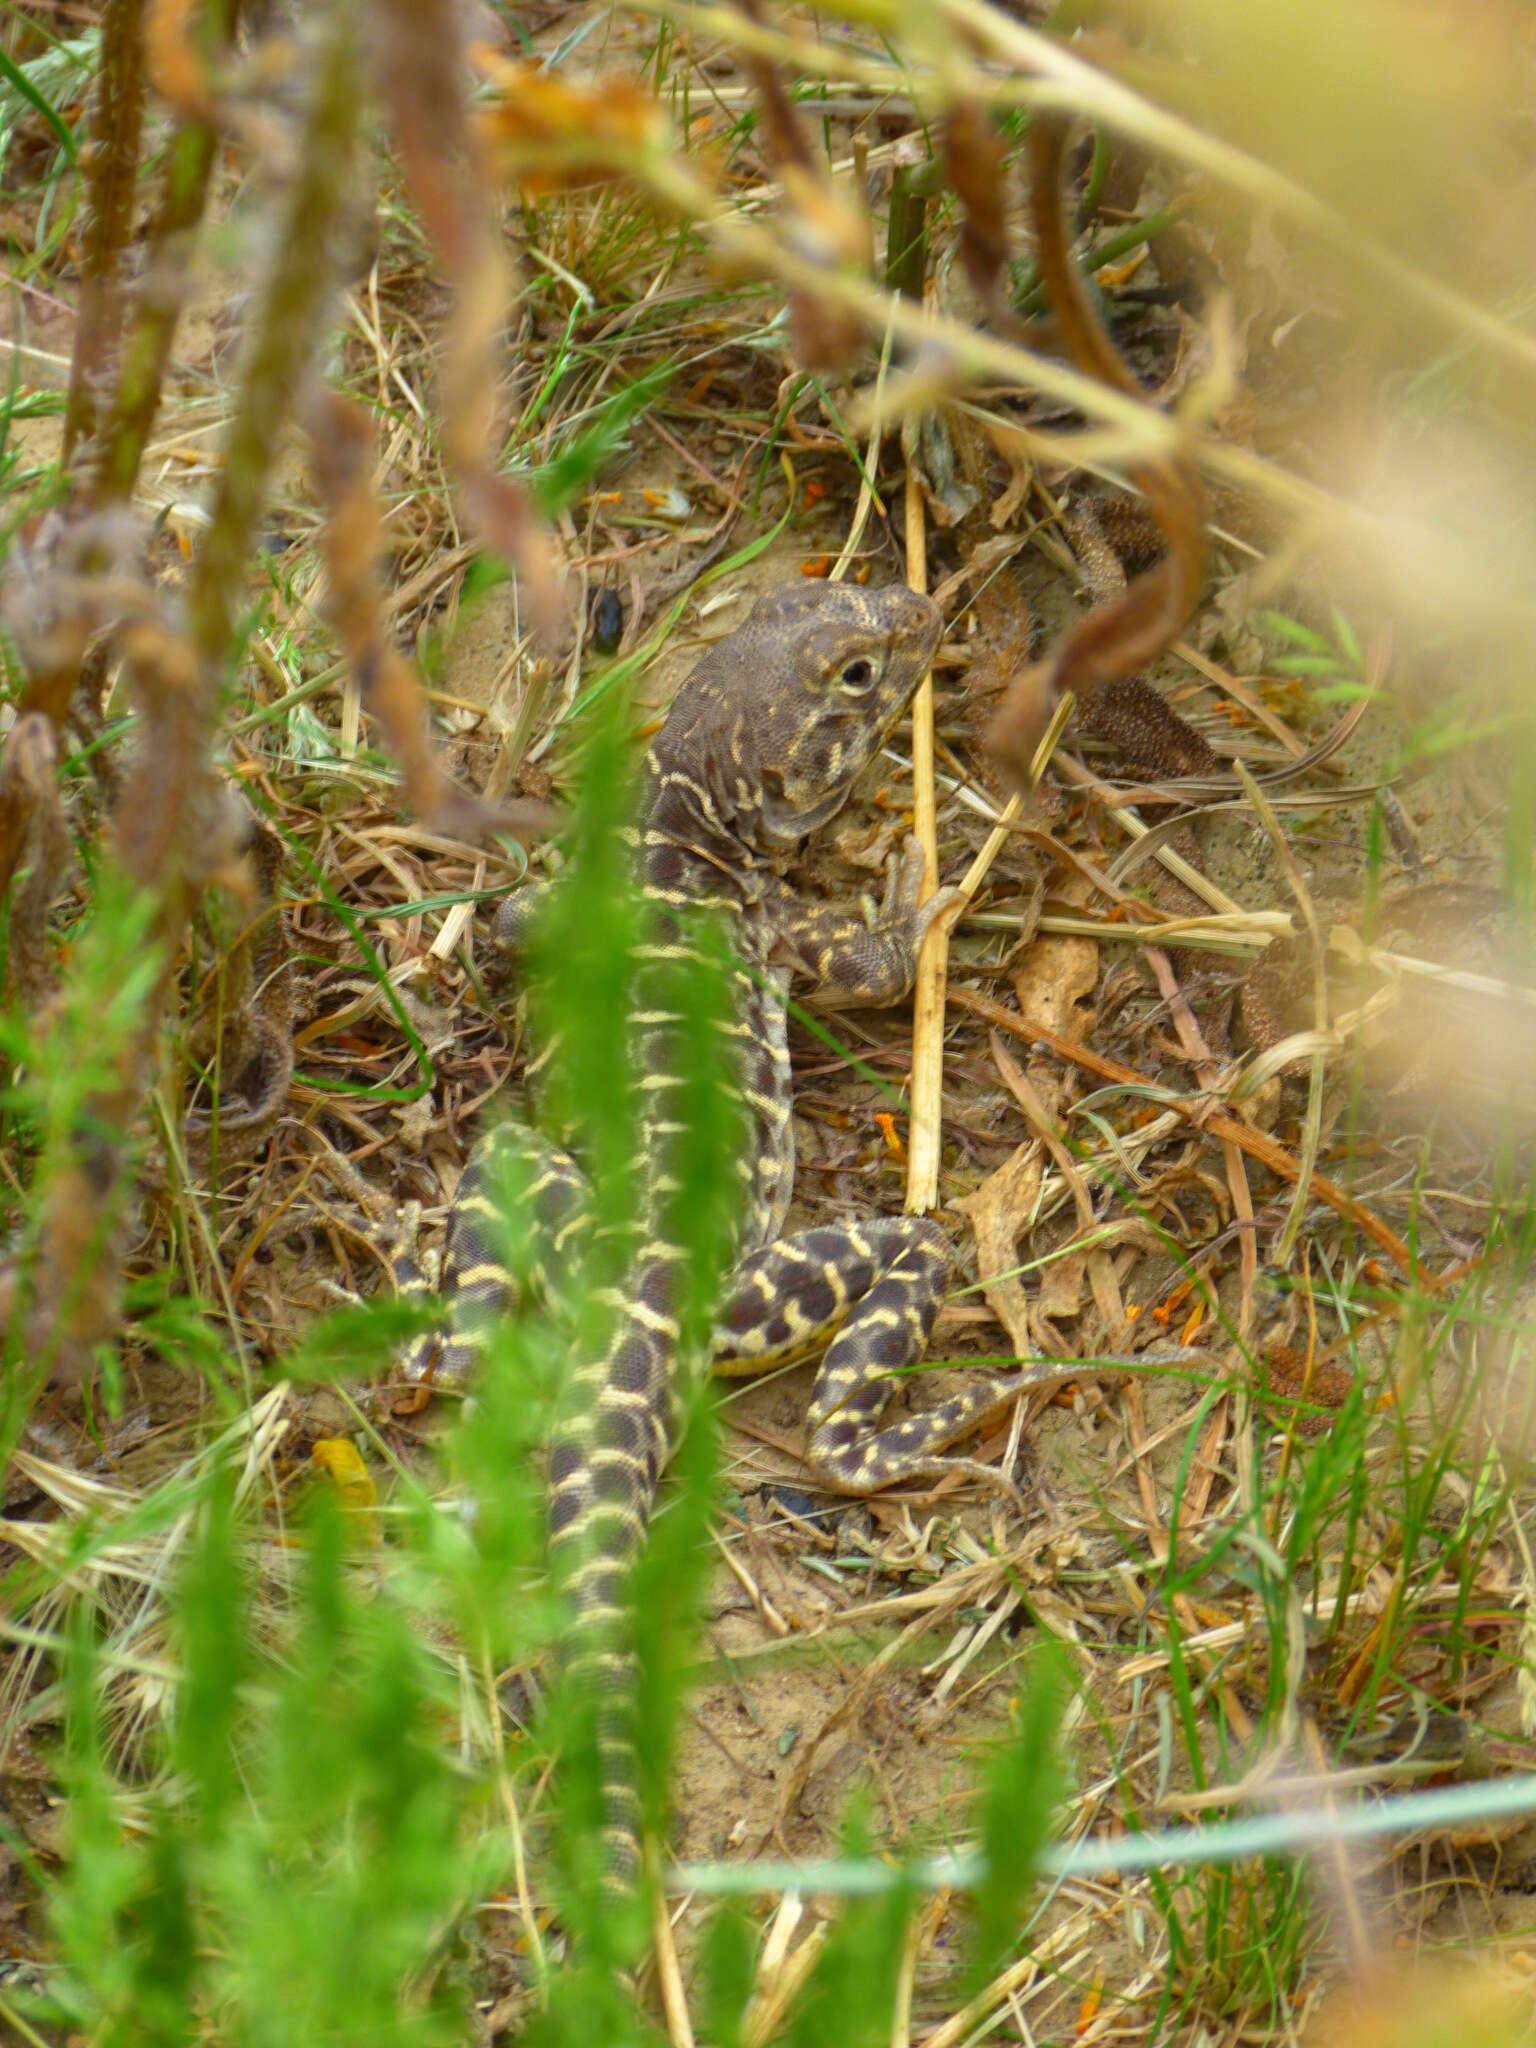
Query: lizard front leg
pixel 863 951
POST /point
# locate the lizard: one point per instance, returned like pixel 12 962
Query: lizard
pixel 760 748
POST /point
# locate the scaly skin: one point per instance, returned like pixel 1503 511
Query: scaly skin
pixel 760 748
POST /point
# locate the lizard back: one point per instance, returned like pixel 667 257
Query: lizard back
pixel 760 747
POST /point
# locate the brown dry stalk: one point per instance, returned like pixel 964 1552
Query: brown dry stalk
pixel 17 793
pixel 163 816
pixel 33 832
pixel 342 445
pixel 389 685
pixel 1122 635
pixel 111 180
pixel 189 160
pixel 973 159
pixel 422 67
pixel 294 294
pixel 784 132
pixel 822 225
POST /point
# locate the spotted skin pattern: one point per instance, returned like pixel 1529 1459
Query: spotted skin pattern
pixel 760 748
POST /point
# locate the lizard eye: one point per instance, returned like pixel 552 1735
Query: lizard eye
pixel 857 675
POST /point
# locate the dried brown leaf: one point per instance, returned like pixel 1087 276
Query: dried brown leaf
pixel 1001 1208
pixel 821 226
pixel 828 232
pixel 1055 981
pixel 784 133
pixel 1061 1288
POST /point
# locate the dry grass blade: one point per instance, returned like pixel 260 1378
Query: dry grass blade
pixel 1216 1122
pixel 1312 1134
pixel 928 988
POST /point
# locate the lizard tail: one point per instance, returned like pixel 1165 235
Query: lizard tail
pixel 604 1467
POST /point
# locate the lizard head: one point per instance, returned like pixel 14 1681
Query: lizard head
pixel 767 736
pixel 823 672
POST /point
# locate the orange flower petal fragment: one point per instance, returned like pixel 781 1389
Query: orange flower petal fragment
pixel 1117 273
pixel 816 565
pixel 1196 1318
pixel 893 1141
pixel 1168 1309
pixel 1088 2011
